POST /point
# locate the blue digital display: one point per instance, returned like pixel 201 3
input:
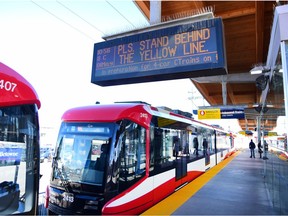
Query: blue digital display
pixel 232 114
pixel 190 50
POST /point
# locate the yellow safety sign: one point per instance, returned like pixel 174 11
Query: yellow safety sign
pixel 209 114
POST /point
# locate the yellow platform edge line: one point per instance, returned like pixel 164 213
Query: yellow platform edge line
pixel 175 200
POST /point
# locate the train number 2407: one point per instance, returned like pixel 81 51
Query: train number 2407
pixel 7 85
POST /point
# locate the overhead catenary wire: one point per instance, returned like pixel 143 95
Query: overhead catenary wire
pixel 120 13
pixel 79 16
pixel 73 27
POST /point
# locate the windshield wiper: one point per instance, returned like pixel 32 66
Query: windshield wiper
pixel 63 177
pixel 61 172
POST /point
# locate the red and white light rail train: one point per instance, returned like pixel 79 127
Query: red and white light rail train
pixel 125 157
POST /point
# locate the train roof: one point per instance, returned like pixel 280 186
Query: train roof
pixel 101 112
pixel 15 89
pixel 138 111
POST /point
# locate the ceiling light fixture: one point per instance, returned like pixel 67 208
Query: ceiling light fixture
pixel 258 69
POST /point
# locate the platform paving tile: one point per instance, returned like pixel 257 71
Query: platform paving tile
pixel 238 189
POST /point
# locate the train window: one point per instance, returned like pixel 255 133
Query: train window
pixel 212 150
pixel 223 141
pixel 210 143
pixel 82 152
pixel 133 155
pixel 18 140
pixel 168 139
pixel 163 147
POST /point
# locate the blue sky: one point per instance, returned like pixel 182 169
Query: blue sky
pixel 51 44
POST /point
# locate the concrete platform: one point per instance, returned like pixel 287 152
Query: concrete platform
pixel 233 187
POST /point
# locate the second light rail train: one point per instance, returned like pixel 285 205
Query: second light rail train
pixel 123 158
pixel 19 144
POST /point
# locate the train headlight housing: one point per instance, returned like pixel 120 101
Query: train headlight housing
pixel 91 205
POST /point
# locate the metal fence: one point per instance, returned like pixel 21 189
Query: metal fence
pixel 276 179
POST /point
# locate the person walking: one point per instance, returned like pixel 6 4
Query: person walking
pixel 252 147
pixel 265 150
pixel 205 146
pixel 260 149
pixel 176 147
pixel 196 145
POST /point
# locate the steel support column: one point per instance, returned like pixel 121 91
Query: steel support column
pixel 155 12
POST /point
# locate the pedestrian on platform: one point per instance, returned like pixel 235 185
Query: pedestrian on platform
pixel 252 147
pixel 176 147
pixel 195 145
pixel 205 146
pixel 260 149
pixel 266 146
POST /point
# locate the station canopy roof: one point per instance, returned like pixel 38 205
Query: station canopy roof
pixel 247 30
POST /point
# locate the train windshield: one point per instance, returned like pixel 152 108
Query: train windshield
pixel 82 152
pixel 19 135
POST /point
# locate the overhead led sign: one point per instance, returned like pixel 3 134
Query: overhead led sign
pixel 183 51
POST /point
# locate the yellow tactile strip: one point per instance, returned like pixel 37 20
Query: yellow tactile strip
pixel 175 200
pixel 280 154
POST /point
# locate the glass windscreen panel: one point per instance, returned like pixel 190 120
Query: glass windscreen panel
pixel 82 152
pixel 19 142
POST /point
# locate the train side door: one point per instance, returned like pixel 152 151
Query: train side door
pixel 207 150
pixel 181 160
pixel 181 167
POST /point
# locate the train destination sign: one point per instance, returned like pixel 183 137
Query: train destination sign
pixel 184 51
